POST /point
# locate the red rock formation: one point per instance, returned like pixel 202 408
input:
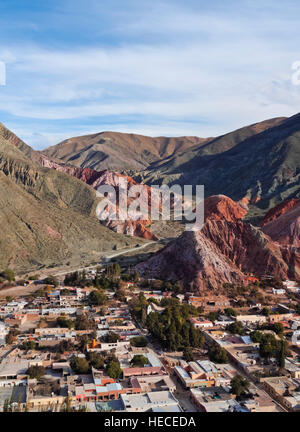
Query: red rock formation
pixel 98 178
pixel 219 207
pixel 280 209
pixel 225 250
pixel 282 223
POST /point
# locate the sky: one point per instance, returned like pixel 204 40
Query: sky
pixel 172 67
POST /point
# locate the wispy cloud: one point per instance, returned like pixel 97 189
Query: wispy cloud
pixel 174 68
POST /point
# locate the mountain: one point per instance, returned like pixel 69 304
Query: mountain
pixel 225 250
pixel 119 151
pixel 259 164
pixel 282 223
pixel 47 217
pixel 138 228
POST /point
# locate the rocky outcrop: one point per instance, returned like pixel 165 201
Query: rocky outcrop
pixel 282 223
pixel 226 249
pixel 138 228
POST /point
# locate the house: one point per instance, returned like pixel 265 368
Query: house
pixel 150 401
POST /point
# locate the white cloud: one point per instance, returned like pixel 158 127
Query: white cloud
pixel 203 74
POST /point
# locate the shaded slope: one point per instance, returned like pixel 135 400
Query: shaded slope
pixel 46 216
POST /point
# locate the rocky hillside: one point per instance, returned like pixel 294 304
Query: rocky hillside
pixel 225 250
pixel 47 217
pixel 259 164
pixel 138 228
pixel 282 223
pixel 119 151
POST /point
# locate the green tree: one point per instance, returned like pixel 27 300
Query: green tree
pixel 139 361
pixel 80 365
pixel 97 298
pixel 64 322
pixel 96 360
pixel 139 341
pixel 36 372
pixel 8 275
pixel 188 354
pixel 218 354
pixel 239 385
pixel 236 328
pixel 113 369
pixel 28 345
pixel 230 312
pixel 51 280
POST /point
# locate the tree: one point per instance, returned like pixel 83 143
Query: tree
pixel 65 346
pixel 51 280
pixel 188 354
pixel 113 369
pixel 230 312
pixel 65 322
pixel 82 322
pixel 8 275
pixel 136 276
pixel 36 372
pixel 218 354
pixel 97 298
pixel 80 365
pixel 28 345
pixel 139 361
pixel 139 341
pixel 112 337
pixel 213 316
pixel 239 385
pixel 278 328
pixel 95 360
pixel 266 311
pixel 236 328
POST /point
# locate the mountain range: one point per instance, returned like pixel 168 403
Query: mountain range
pixel 251 177
pixel 47 217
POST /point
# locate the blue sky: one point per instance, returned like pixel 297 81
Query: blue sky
pixel 168 67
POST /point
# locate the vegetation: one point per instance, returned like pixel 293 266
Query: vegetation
pixel 218 354
pixel 270 346
pixel 113 369
pixel 97 298
pixel 236 328
pixel 96 360
pixel 239 385
pixel 80 365
pixel 139 341
pixel 7 275
pixel 139 361
pixel 111 337
pixel 36 372
pixel 83 322
pixel 28 345
pixel 172 327
pixel 64 322
pixel 51 280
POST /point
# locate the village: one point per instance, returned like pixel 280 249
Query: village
pixel 107 340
